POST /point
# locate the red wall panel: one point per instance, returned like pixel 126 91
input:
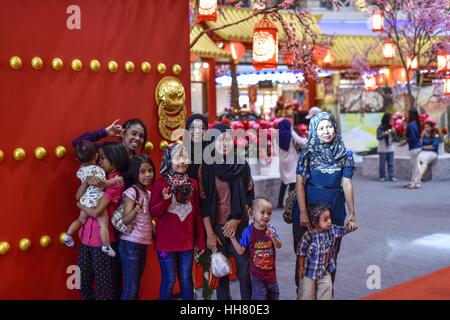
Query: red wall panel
pixel 49 108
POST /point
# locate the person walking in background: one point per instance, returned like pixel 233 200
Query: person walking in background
pixel 385 135
pixel 288 157
pixel 415 146
pixel 312 112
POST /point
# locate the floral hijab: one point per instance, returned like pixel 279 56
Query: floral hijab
pixel 319 155
pixel 179 183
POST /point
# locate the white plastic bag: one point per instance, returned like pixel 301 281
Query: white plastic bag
pixel 220 266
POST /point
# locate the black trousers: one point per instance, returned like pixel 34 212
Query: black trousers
pixel 283 191
pixel 97 266
pixel 242 265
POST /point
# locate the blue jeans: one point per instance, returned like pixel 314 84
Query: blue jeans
pixel 389 157
pixel 133 257
pixel 262 290
pixel 171 263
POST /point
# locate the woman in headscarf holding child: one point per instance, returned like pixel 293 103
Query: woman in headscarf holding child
pixel 324 175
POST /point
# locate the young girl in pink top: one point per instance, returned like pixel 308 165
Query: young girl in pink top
pixel 133 246
pixel 175 203
pixel 94 264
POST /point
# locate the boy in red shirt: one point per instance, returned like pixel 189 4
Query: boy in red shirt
pixel 261 239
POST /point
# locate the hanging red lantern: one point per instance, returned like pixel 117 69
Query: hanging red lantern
pixel 377 21
pixel 236 49
pixel 442 60
pixel 319 53
pixel 447 85
pixel 388 49
pixel 411 63
pixel 329 58
pixel 400 75
pixel 207 10
pixel 265 45
pixel 380 79
pixel 370 83
pixel 288 59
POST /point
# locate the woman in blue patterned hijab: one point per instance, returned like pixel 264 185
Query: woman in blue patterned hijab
pixel 322 154
pixel 324 176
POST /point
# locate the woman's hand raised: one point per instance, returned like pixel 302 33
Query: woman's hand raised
pixel 114 129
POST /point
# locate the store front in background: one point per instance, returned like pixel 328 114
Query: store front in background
pixel 260 91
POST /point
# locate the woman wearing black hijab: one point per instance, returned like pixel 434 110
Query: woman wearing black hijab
pixel 196 126
pixel 227 190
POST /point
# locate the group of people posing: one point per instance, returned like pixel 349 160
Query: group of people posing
pixel 423 145
pixel 196 208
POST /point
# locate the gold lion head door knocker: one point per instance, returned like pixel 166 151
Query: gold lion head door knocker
pixel 171 100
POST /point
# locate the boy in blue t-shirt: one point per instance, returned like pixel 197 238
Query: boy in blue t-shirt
pixel 261 239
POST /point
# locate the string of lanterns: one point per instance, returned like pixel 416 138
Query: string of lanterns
pixel 412 63
pixel 57 64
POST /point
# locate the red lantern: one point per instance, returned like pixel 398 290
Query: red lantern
pixel 377 21
pixel 207 10
pixel 388 49
pixel 400 75
pixel 329 57
pixel 370 83
pixel 265 45
pixel 447 85
pixel 319 53
pixel 411 63
pixel 236 49
pixel 380 79
pixel 442 60
pixel 288 59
